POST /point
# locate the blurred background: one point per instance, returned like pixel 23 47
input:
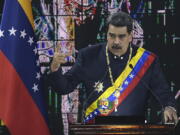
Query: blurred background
pixel 75 24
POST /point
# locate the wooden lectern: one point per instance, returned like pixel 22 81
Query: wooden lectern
pixel 80 129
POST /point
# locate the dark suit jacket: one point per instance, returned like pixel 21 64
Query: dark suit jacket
pixel 91 67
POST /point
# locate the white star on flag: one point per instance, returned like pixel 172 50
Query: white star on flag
pixel 30 41
pixel 120 88
pixel 23 34
pixel 35 50
pixel 37 62
pixel 12 31
pixel 1 33
pixel 126 82
pixel 131 76
pixel 38 76
pixel 95 112
pixel 35 88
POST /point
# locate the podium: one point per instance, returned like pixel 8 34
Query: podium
pixel 81 129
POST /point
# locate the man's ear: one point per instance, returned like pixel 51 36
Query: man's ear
pixel 131 37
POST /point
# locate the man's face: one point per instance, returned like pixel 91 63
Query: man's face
pixel 118 39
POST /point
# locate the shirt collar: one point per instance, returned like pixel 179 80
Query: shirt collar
pixel 122 57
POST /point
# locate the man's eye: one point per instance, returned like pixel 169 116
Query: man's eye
pixel 112 35
pixel 122 36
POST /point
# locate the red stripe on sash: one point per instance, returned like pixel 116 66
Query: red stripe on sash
pixel 135 81
pixel 137 78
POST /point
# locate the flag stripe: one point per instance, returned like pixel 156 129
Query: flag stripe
pixel 137 78
pixel 21 53
pixel 26 5
pixel 14 108
pixel 21 99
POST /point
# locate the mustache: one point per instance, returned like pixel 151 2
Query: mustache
pixel 116 46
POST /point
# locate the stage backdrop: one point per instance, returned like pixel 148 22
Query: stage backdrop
pixel 75 24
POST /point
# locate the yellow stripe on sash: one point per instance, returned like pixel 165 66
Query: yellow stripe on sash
pixel 118 81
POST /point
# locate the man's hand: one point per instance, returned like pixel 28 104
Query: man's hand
pixel 170 115
pixel 58 59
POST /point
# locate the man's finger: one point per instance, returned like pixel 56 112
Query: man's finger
pixel 57 48
pixel 175 117
pixel 167 116
pixel 67 54
pixel 63 61
pixel 61 56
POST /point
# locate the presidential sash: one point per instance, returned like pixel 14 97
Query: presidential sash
pixel 122 87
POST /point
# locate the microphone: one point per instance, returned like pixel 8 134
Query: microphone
pixel 151 91
pixel 90 95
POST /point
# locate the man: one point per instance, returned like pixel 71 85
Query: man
pixel 118 76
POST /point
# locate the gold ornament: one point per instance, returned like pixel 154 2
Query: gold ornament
pixel 98 86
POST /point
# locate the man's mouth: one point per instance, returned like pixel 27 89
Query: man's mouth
pixel 116 46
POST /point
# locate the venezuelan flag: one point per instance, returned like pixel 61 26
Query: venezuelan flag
pixel 21 102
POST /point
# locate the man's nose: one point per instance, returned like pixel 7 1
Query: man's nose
pixel 117 40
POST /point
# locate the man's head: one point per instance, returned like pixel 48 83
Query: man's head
pixel 119 32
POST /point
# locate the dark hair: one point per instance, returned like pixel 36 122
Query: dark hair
pixel 120 19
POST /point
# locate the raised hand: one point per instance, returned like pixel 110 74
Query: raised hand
pixel 58 59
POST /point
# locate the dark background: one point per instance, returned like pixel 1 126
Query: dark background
pixel 158 38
